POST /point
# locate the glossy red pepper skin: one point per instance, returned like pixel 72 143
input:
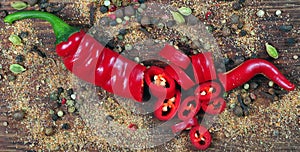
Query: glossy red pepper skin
pixel 200 137
pixel 189 108
pixel 175 56
pixel 158 109
pixel 162 92
pixel 247 70
pixel 203 66
pixel 180 76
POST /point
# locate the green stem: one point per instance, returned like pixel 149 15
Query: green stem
pixel 61 29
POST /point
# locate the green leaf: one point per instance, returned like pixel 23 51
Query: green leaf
pixel 178 17
pixel 18 5
pixel 272 51
pixel 186 11
pixel 16 68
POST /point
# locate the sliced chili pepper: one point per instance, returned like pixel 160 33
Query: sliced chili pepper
pixel 166 109
pixel 203 66
pixel 208 91
pixel 188 108
pixel 160 83
pixel 244 72
pixel 214 106
pixel 179 76
pixel 175 56
pixel 185 125
pixel 200 137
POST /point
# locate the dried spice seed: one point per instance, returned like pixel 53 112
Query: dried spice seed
pixel 18 5
pixel 19 115
pixel 186 11
pixel 271 51
pixel 66 126
pixel 103 9
pixel 178 17
pixel 15 39
pixel 54 117
pixel 60 113
pixel 49 131
pixel 20 58
pixel 16 68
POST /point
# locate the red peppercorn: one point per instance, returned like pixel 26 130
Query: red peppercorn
pixel 208 15
pixel 63 101
pixel 112 8
pixel 133 127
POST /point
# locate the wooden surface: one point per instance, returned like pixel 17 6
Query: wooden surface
pixel 291 68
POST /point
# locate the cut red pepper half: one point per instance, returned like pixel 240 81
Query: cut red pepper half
pixel 203 66
pixel 185 125
pixel 200 137
pixel 160 84
pixel 188 108
pixel 166 109
pixel 175 56
pixel 180 76
pixel 215 106
pixel 208 91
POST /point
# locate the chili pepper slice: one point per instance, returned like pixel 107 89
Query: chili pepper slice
pixel 244 72
pixel 188 108
pixel 165 109
pixel 208 91
pixel 161 84
pixel 175 56
pixel 184 125
pixel 180 76
pixel 200 137
pixel 203 66
pixel 215 106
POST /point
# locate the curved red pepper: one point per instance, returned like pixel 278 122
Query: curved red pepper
pixel 203 66
pixel 161 84
pixel 175 56
pixel 215 106
pixel 165 109
pixel 189 108
pixel 200 137
pixel 244 72
pixel 185 125
pixel 208 91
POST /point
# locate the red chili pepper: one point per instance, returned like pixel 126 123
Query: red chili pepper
pixel 165 109
pixel 175 56
pixel 208 91
pixel 244 72
pixel 185 125
pixel 215 106
pixel 203 66
pixel 188 108
pixel 200 137
pixel 161 84
pixel 90 60
pixel 180 76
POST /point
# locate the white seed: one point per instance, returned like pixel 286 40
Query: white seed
pixel 211 90
pixel 172 99
pixel 260 13
pixel 73 96
pixel 165 108
pixel 5 123
pixel 196 135
pixel 155 77
pixel 162 83
pixel 295 57
pixel 203 93
pixel 271 83
pixel 278 12
pixel 137 59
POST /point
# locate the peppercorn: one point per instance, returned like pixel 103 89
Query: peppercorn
pixel 103 9
pixel 109 118
pixel 60 90
pixel 243 33
pixel 54 117
pixel 20 58
pixel 112 8
pixel 23 34
pixel 291 41
pixel 70 92
pixel 19 115
pixel 66 126
pixel 54 96
pixel 236 6
pixel 49 131
pixel 113 23
pixel 123 32
pixel 141 1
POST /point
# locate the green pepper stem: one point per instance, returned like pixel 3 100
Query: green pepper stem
pixel 61 29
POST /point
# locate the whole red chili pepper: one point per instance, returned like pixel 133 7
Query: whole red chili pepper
pixel 90 60
pixel 203 66
pixel 247 70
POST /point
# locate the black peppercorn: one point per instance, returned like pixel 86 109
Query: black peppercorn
pixel 103 9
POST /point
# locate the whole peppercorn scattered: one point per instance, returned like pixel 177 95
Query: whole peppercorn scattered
pixel 236 6
pixel 54 117
pixel 70 92
pixel 23 34
pixel 60 113
pixel 20 58
pixel 66 126
pixel 243 33
pixel 109 118
pixel 112 8
pixel 104 21
pixel 49 131
pixel 19 115
pixel 60 90
pixel 141 1
pixel 123 32
pixel 103 9
pixel 113 23
pixel 54 96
